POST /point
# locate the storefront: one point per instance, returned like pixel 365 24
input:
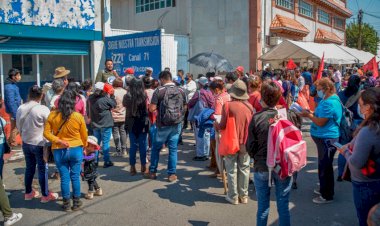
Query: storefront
pixel 37 59
pixel 36 38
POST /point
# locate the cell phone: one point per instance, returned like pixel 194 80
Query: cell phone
pixel 337 145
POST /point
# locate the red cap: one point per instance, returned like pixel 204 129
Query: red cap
pixel 129 71
pixel 108 89
pixel 240 69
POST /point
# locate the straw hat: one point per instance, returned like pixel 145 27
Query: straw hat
pixel 238 90
pixel 61 72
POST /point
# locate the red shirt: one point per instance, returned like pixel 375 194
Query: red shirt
pixel 254 100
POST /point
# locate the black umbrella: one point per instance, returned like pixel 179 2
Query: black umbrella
pixel 211 61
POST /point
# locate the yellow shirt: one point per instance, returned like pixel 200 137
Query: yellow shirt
pixel 74 131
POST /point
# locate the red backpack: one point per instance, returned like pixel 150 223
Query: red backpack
pixel 287 151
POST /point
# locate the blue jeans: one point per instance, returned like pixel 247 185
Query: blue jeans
pixel 366 195
pixel 34 156
pixel 137 142
pixel 263 197
pixel 69 162
pixel 152 134
pixel 165 135
pixel 104 136
pixel 202 144
pixel 326 154
pixel 341 164
pixel 1 159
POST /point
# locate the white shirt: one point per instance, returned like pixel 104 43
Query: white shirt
pixel 30 121
pixel 337 76
pixel 190 88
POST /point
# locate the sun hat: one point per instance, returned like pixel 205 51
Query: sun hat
pixel 94 141
pixel 61 72
pixel 238 90
pixel 99 85
pixel 203 81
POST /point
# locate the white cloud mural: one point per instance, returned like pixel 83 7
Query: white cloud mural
pixel 78 14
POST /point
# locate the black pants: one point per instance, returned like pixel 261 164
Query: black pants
pixel 92 184
pixel 185 122
pixel 326 154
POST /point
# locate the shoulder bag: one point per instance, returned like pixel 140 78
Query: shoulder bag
pixel 47 151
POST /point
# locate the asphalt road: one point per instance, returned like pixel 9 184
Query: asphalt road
pixel 195 199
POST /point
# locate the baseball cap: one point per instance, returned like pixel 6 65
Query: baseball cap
pixel 99 85
pixel 203 81
pixel 240 69
pixel 129 71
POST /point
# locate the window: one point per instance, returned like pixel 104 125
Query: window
pixel 338 23
pixel 149 5
pixel 306 9
pixel 288 4
pixel 324 17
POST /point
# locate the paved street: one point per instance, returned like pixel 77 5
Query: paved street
pixel 195 199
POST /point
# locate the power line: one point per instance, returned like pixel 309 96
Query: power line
pixel 370 2
pixel 357 4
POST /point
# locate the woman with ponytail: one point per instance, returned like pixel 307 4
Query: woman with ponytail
pixel 363 155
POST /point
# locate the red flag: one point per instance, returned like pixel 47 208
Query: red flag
pixel 372 66
pixel 291 65
pixel 321 67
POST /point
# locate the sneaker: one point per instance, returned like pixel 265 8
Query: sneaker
pixel 243 200
pixel 200 158
pixel 108 164
pixel 13 219
pixel 151 176
pixel 89 195
pixel 98 192
pixel 232 201
pixel 321 200
pixel 172 178
pixel 51 197
pixel 32 195
pixel 316 191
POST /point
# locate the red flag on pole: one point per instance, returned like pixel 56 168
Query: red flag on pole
pixel 291 65
pixel 372 66
pixel 321 67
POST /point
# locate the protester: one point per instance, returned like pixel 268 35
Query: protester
pixel 10 218
pixel 60 74
pixel 221 97
pixel 337 77
pixel 149 72
pixel 180 78
pixel 364 149
pixel 303 90
pixel 31 118
pixel 231 77
pixel 254 88
pixel 307 76
pixel 190 87
pixel 108 71
pixel 207 99
pixel 150 86
pixel 90 168
pixel 137 123
pixel 237 165
pixel 118 115
pixel 2 140
pixel 170 115
pixel 257 148
pixel 350 98
pixel 12 100
pixel 58 86
pixel 325 132
pixel 86 90
pixel 66 130
pixel 80 101
pixel 102 101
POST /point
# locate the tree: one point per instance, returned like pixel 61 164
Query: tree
pixel 370 39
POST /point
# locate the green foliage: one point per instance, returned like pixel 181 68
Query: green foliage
pixel 370 39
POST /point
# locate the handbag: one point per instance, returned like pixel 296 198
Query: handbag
pixel 229 142
pixel 7 148
pixel 47 150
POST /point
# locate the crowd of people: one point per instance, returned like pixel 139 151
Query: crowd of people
pixel 71 124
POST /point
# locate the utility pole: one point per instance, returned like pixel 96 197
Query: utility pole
pixel 360 21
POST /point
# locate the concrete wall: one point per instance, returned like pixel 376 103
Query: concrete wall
pixel 212 25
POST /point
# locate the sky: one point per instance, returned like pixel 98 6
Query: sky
pixel 368 6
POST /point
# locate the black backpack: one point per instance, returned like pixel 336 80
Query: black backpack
pixel 171 107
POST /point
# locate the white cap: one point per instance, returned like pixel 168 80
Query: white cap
pixel 99 85
pixel 203 81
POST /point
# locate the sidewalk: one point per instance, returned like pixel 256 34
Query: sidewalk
pixel 195 199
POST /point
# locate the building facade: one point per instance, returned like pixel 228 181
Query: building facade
pixel 38 36
pixel 320 21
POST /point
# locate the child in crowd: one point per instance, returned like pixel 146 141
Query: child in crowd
pixel 90 168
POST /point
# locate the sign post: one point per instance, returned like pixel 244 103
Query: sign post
pixel 137 51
